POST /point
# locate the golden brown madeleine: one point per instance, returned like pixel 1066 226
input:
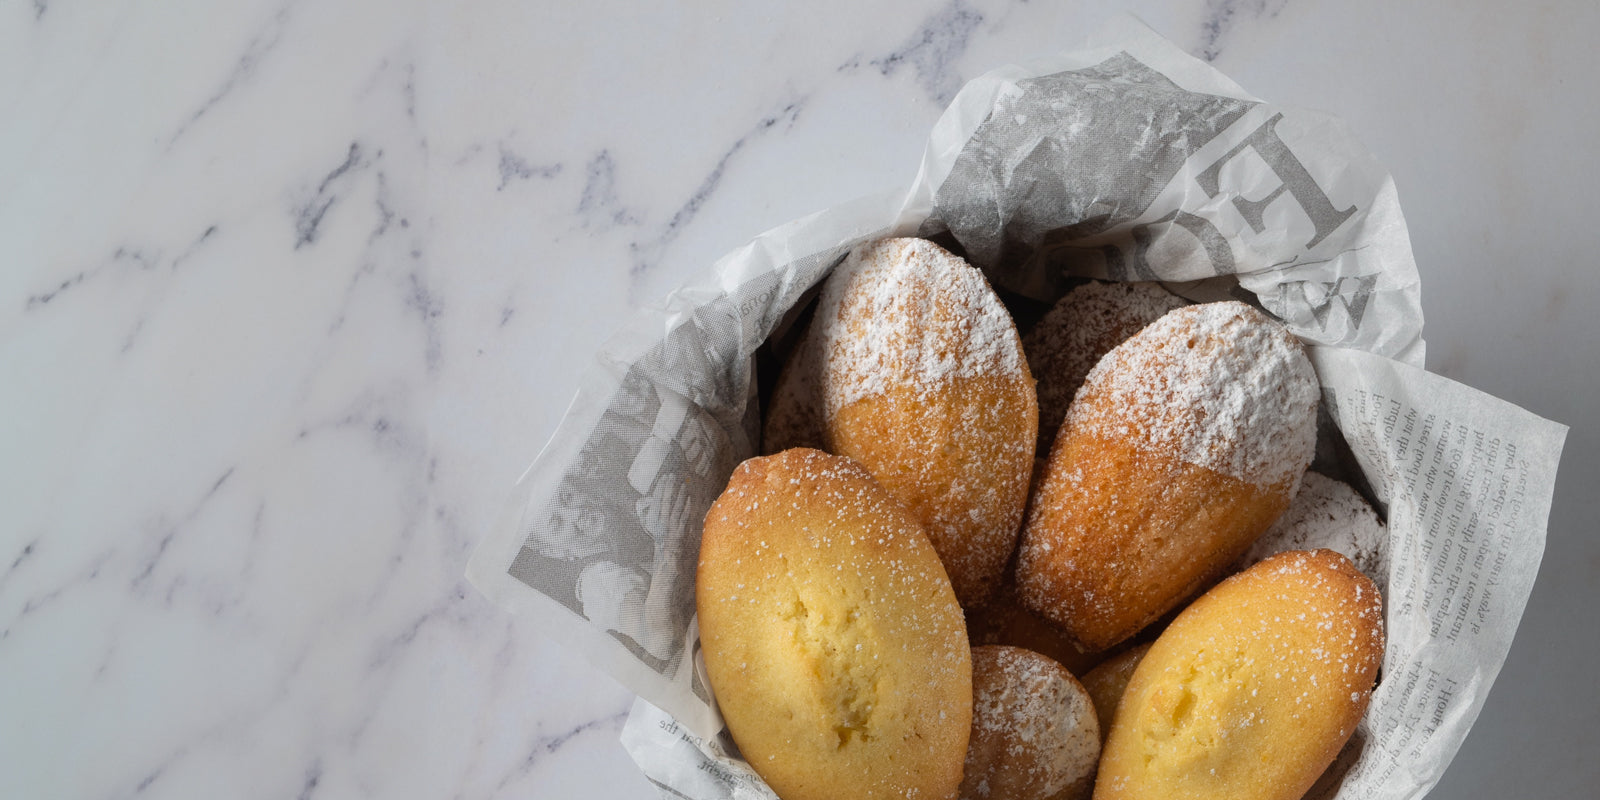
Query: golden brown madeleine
pixel 834 644
pixel 924 382
pixel 1253 689
pixel 1106 682
pixel 1077 332
pixel 1182 447
pixel 1034 731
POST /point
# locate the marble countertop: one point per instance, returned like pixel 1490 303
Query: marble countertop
pixel 294 291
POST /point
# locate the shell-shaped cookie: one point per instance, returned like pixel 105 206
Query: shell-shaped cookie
pixel 1253 689
pixel 923 381
pixel 832 639
pixel 1078 331
pixel 1109 679
pixel 1035 735
pixel 1184 444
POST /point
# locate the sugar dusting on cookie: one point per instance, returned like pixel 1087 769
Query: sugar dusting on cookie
pixel 832 638
pixel 924 382
pixel 1273 667
pixel 1034 730
pixel 905 311
pixel 1219 385
pixel 1329 514
pixel 1078 331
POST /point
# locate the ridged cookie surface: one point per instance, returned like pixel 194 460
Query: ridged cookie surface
pixel 923 381
pixel 1184 444
pixel 834 644
pixel 1252 690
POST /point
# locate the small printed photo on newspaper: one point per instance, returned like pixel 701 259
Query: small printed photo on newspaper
pixel 1124 160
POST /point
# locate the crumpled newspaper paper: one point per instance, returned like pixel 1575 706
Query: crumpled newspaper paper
pixel 1126 160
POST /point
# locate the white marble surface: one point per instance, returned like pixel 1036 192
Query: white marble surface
pixel 291 292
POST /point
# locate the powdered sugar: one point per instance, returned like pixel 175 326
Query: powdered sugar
pixel 1328 514
pixel 832 639
pixel 1034 730
pixel 1218 385
pixel 1077 332
pixel 905 312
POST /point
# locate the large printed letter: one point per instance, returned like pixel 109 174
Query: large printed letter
pixel 1295 179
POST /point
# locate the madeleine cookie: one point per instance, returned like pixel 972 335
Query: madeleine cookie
pixel 1253 689
pixel 1004 620
pixel 1077 332
pixel 832 640
pixel 924 382
pixel 1183 446
pixel 1106 682
pixel 1328 514
pixel 1034 732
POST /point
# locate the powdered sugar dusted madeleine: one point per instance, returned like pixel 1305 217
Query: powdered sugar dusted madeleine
pixel 832 639
pixel 1328 514
pixel 1253 689
pixel 1077 332
pixel 1034 731
pixel 924 382
pixel 1184 444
